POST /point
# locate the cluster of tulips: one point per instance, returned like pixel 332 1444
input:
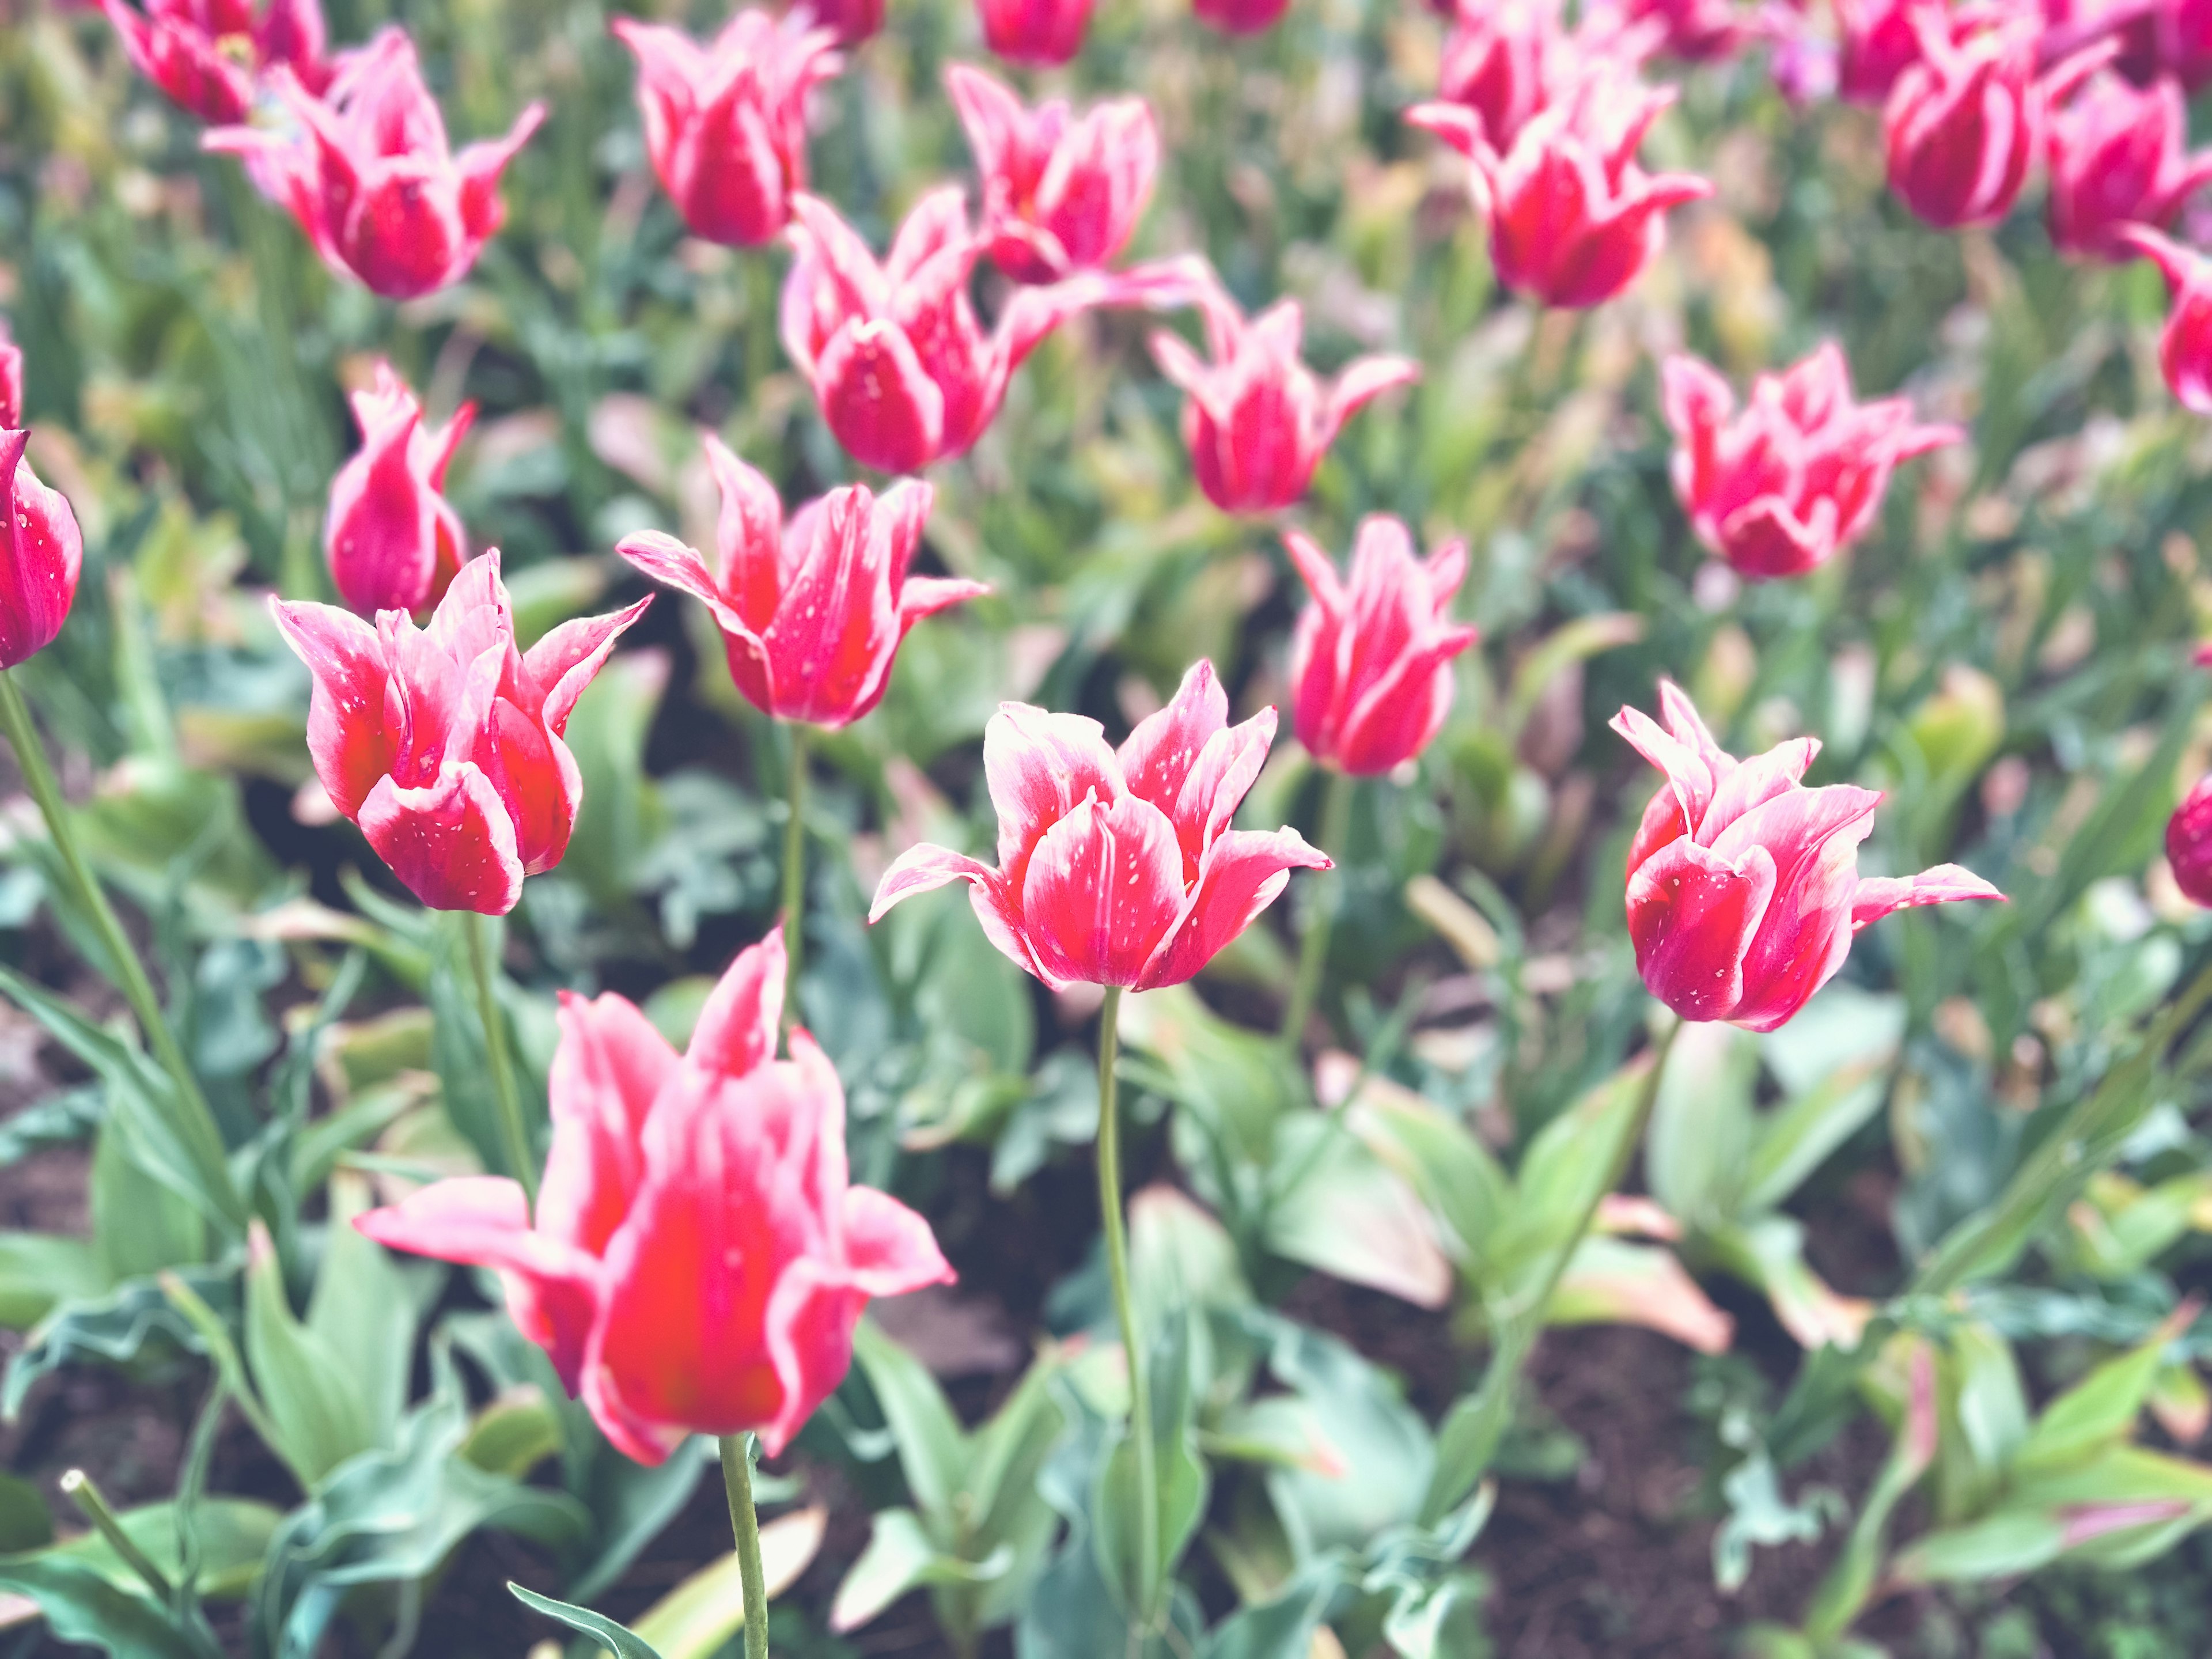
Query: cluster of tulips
pixel 693 1257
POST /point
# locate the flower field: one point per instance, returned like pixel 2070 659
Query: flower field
pixel 1105 828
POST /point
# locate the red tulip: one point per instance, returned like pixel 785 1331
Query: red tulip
pixel 394 541
pixel 1877 46
pixel 699 1259
pixel 1240 16
pixel 1257 419
pixel 1370 662
pixel 2184 349
pixel 811 615
pixel 368 173
pixel 2118 154
pixel 902 371
pixel 444 742
pixel 1965 119
pixel 725 124
pixel 206 54
pixel 1573 220
pixel 2189 843
pixel 1117 867
pixel 1060 194
pixel 41 552
pixel 1778 487
pixel 1034 31
pixel 1743 884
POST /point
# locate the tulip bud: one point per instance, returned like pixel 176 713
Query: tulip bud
pixel 1034 31
pixel 1371 662
pixel 1743 884
pixel 2189 843
pixel 41 553
pixel 2119 155
pixel 725 125
pixel 206 54
pixel 1117 866
pixel 812 614
pixel 2184 347
pixel 393 540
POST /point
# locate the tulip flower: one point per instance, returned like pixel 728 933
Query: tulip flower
pixel 2118 154
pixel 1117 867
pixel 725 124
pixel 1966 119
pixel 368 173
pixel 1743 884
pixel 206 54
pixel 1061 194
pixel 1573 219
pixel 902 371
pixel 1257 419
pixel 42 550
pixel 1778 487
pixel 443 744
pixel 1371 662
pixel 1877 44
pixel 2185 348
pixel 394 539
pixel 1039 32
pixel 1240 16
pixel 698 1258
pixel 2189 843
pixel 1500 61
pixel 814 613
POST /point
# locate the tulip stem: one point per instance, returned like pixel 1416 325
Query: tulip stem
pixel 505 1097
pixel 739 1451
pixel 794 872
pixel 1326 899
pixel 198 1125
pixel 1124 1305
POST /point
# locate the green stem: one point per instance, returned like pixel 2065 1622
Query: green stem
pixel 506 1097
pixel 1125 1303
pixel 794 872
pixel 739 1451
pixel 198 1125
pixel 78 1487
pixel 1326 898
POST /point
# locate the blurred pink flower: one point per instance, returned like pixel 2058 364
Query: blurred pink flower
pixel 2185 348
pixel 393 540
pixel 1240 16
pixel 207 54
pixel 1034 31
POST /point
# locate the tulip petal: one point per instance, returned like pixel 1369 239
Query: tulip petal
pixel 925 868
pixel 878 398
pixel 1218 782
pixel 1158 754
pixel 889 1249
pixel 1875 896
pixel 345 714
pixel 736 1031
pixel 1103 889
pixel 1244 871
pixel 450 841
pixel 570 657
pixel 1037 766
pixel 609 1067
pixel 1813 836
pixel 1691 914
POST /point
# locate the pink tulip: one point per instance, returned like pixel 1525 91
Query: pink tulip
pixel 1061 194
pixel 394 539
pixel 1257 419
pixel 1040 32
pixel 1778 487
pixel 1501 61
pixel 812 614
pixel 1240 16
pixel 206 54
pixel 1697 31
pixel 699 1259
pixel 2189 843
pixel 2119 154
pixel 444 742
pixel 1370 662
pixel 849 22
pixel 368 172
pixel 1878 45
pixel 725 124
pixel 1743 884
pixel 1117 867
pixel 41 552
pixel 1573 219
pixel 2185 348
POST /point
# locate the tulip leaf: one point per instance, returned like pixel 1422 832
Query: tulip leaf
pixel 1344 1211
pixel 1455 1175
pixel 696 1618
pixel 38 1271
pixel 932 1449
pixel 126 1325
pixel 901 1556
pixel 621 1643
pixel 315 1399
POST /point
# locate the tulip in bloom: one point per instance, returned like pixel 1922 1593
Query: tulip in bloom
pixel 443 744
pixel 41 552
pixel 1877 45
pixel 1743 884
pixel 2189 843
pixel 1778 487
pixel 1034 31
pixel 1573 219
pixel 368 173
pixel 812 613
pixel 2185 348
pixel 394 541
pixel 1241 16
pixel 205 54
pixel 1117 867
pixel 1500 60
pixel 1061 194
pixel 1256 418
pixel 725 124
pixel 2118 154
pixel 699 1259
pixel 1370 662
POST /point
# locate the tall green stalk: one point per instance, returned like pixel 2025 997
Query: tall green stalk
pixel 197 1125
pixel 794 872
pixel 514 1133
pixel 1125 1303
pixel 739 1451
pixel 1326 899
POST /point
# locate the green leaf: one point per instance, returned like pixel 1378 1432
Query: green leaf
pixel 82 1604
pixel 1455 1175
pixel 901 1556
pixel 232 1534
pixel 696 1618
pixel 1567 1170
pixel 130 1323
pixel 932 1449
pixel 317 1403
pixel 1697 1150
pixel 1796 1139
pixel 1180 1256
pixel 39 1270
pixel 362 1313
pixel 1842 1593
pixel 1340 1208
pixel 24 1522
pixel 514 1433
pixel 624 1643
pixel 1181 1473
pixel 139 1224
pixel 2096 1412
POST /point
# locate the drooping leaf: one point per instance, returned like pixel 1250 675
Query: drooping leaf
pixel 624 1643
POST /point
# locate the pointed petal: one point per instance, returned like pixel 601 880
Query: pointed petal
pixel 1102 887
pixel 1691 914
pixel 1875 896
pixel 1244 871
pixel 345 714
pixel 1158 754
pixel 609 1067
pixel 736 1032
